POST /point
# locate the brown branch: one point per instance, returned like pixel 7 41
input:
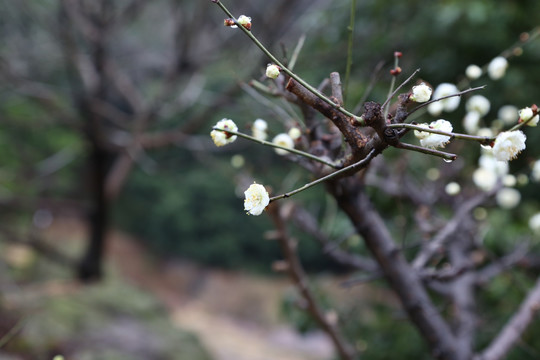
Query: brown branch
pixel 402 278
pixel 511 332
pixel 299 278
pixel 352 134
pixel 462 292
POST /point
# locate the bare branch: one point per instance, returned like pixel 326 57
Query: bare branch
pixel 402 278
pixel 299 278
pixel 511 332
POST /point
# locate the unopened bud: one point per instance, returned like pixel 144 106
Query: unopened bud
pixel 396 71
pixel 272 71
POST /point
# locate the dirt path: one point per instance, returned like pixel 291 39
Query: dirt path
pixel 235 315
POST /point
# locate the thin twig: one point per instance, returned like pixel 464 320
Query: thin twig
pixel 296 51
pixel 514 328
pixel 348 67
pixel 483 140
pixel 268 143
pixel 449 157
pixel 446 97
pixel 390 96
pixel 285 69
pixel 358 164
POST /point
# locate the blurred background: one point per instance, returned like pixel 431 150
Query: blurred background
pixel 123 234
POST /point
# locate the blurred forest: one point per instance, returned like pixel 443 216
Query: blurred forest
pixel 105 111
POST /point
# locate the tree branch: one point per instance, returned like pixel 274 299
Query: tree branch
pixel 299 278
pixel 402 278
pixel 511 332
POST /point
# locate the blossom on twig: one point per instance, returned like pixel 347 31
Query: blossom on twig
pixel 421 93
pixel 508 145
pixel 449 104
pixel 256 200
pixel 283 140
pixel 243 20
pixel 222 138
pixel 435 140
pixel 479 104
pixel 527 114
pixel 258 129
pixel 272 71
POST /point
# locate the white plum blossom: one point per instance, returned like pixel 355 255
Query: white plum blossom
pixel 534 121
pixel 436 140
pixel 256 200
pixel 283 140
pixel 422 134
pixel 508 198
pixel 508 145
pixel 484 179
pixel 488 161
pixel 485 132
pixel 479 104
pixel 508 114
pixel 527 114
pixel 471 122
pixel 272 71
pixel 435 108
pixel 489 171
pixel 243 20
pixel 259 128
pixel 509 180
pixel 450 104
pixel 421 93
pixel 221 138
pixel 473 72
pixel 534 223
pixel 497 68
pixel 294 133
pixel 452 188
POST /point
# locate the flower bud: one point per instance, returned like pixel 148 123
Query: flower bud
pixel 245 21
pixel 294 133
pixel 272 71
